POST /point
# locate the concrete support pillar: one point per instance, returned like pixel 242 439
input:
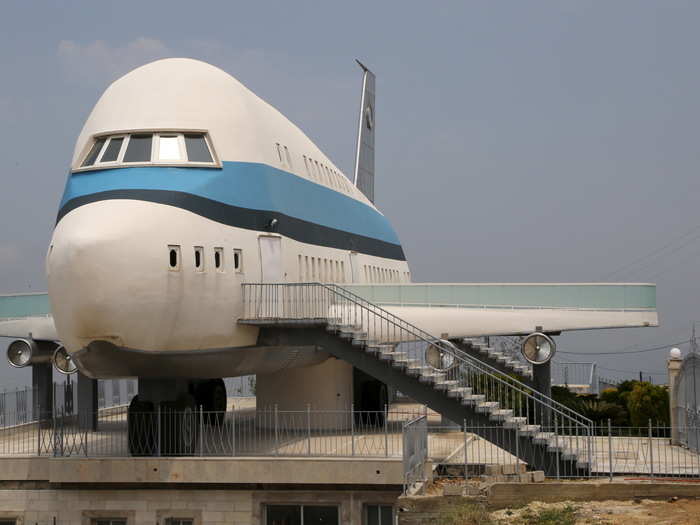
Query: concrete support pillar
pixel 87 402
pixel 542 378
pixel 542 381
pixel 674 367
pixel 42 385
pixel 325 387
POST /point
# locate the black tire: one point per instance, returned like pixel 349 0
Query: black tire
pixel 186 425
pixel 141 428
pixel 219 400
pixel 211 396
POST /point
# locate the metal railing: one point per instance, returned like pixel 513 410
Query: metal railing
pixel 260 432
pixel 396 434
pixel 335 306
pixel 20 406
pixel 576 374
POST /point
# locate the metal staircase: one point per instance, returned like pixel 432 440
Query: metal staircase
pixel 541 432
pixel 498 359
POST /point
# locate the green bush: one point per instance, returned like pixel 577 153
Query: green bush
pixel 600 411
pixel 647 401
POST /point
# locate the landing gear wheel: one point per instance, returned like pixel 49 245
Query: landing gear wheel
pixel 211 396
pixel 178 427
pixel 141 428
pixel 218 401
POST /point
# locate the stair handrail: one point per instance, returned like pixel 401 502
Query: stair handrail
pixel 419 334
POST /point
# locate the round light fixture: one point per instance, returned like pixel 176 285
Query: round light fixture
pixel 538 348
pixel 441 356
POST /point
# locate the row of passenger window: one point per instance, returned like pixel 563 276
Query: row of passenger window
pixel 375 274
pixel 143 148
pixel 199 259
pixel 316 171
pixel 325 175
pixel 312 269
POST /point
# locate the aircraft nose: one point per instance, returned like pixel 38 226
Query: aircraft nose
pixel 81 268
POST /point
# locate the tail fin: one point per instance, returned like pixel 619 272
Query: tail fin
pixel 364 161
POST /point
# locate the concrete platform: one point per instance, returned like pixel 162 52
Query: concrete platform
pixel 201 471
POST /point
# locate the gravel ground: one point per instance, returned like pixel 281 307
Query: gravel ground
pixel 676 512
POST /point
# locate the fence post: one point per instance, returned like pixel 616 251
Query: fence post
pixel 233 431
pixel 158 423
pixel 464 437
pixel 651 453
pixel 352 428
pixel 386 430
pixel 308 429
pixel 517 449
pixel 556 442
pixel 201 430
pixel 590 450
pixel 277 437
pixel 610 454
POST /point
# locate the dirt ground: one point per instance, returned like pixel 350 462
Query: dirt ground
pixel 638 512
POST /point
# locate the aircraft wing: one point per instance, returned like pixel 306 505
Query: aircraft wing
pixel 38 328
pixel 467 310
pixel 27 315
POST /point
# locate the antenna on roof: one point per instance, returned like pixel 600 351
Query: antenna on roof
pixel 364 159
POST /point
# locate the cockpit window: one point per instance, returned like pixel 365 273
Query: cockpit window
pixel 158 148
pixel 197 150
pixel 94 152
pixel 169 148
pixel 112 151
pixel 139 148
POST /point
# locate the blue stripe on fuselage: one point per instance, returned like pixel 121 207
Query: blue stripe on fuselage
pixel 245 185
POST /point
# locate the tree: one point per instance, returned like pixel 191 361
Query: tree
pixel 647 401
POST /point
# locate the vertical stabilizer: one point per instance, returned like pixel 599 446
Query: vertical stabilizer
pixel 364 160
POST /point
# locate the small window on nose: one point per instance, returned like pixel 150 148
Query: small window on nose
pixel 174 257
pixel 199 258
pixel 238 260
pixel 219 259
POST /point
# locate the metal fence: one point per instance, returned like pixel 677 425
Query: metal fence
pixel 581 377
pixel 20 406
pixel 403 435
pixel 414 453
pixel 686 393
pixel 248 432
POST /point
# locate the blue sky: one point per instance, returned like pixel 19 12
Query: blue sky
pixel 516 141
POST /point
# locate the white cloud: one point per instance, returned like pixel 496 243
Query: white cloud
pixel 98 62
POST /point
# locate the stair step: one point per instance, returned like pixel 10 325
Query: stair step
pixel 446 384
pixel 459 391
pixel 542 438
pixel 500 414
pixel 530 430
pixel 378 348
pixel 359 338
pixel 515 422
pixel 486 407
pixel 431 377
pixel 389 356
pixel 473 399
pixel 568 454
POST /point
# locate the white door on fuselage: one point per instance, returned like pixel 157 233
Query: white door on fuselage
pixel 270 259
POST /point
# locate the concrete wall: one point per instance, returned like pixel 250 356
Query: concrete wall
pixel 328 386
pixel 148 507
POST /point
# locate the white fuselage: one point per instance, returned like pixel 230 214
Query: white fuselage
pixel 268 206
